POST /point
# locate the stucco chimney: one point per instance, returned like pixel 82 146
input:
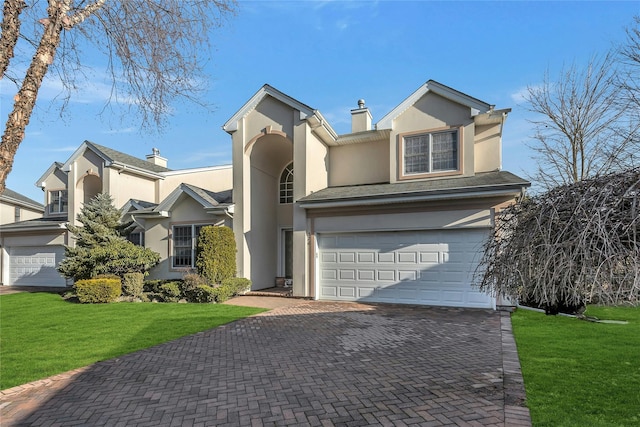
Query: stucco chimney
pixel 360 118
pixel 156 159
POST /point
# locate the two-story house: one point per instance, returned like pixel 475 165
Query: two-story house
pixel 168 207
pixel 396 212
pixel 392 212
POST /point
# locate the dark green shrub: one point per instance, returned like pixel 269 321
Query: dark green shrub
pixel 203 294
pixel 239 285
pixel 190 282
pixel 216 253
pixel 98 290
pixel 133 284
pixel 153 285
pixel 170 291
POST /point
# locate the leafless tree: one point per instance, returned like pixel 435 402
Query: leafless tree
pixel 629 52
pixel 155 51
pixel 583 128
pixel 575 244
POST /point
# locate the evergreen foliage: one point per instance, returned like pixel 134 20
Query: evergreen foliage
pixel 216 254
pixel 101 247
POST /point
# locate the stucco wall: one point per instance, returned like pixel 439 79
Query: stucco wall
pixel 215 179
pixel 434 112
pixel 157 237
pixel 420 220
pixel 8 213
pixel 365 163
pixel 488 150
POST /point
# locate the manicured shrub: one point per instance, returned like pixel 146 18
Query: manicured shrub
pixel 190 282
pixel 203 294
pixel 98 290
pixel 133 284
pixel 216 254
pixel 170 291
pixel 239 285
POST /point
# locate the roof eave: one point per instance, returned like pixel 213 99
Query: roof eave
pixel 448 194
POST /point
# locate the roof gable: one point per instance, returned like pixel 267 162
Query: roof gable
pixel 475 105
pixel 114 158
pixel 209 200
pixel 266 90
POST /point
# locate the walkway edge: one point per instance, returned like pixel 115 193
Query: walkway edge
pixel 516 412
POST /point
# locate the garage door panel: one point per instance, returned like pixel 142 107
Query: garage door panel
pixel 386 257
pixel 347 274
pixel 366 275
pixel 35 266
pixel 424 267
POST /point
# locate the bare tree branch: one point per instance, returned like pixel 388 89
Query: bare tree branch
pixel 583 129
pixel 155 50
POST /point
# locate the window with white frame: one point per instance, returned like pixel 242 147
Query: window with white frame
pixel 286 184
pixel 185 240
pixel 16 213
pixel 431 152
pixel 58 201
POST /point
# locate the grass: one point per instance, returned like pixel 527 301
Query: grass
pixel 41 334
pixel 580 373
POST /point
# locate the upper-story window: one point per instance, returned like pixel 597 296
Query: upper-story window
pixel 16 213
pixel 58 202
pixel 286 184
pixel 434 152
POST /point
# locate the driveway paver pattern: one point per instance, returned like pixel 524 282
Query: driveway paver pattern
pixel 313 363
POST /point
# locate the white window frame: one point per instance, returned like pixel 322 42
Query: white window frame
pixel 430 172
pixel 56 198
pixel 195 231
pixel 286 185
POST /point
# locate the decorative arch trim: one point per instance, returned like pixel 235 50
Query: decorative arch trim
pixel 266 131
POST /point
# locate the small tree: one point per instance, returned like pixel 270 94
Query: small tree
pixel 101 247
pixel 216 254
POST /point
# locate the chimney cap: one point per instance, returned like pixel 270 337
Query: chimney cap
pixel 361 103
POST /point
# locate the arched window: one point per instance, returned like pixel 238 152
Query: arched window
pixel 286 184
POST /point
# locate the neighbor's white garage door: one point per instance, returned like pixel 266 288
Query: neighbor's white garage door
pixel 413 267
pixel 35 266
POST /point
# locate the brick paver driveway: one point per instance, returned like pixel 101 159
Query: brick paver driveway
pixel 314 363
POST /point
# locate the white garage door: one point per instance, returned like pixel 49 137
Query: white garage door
pixel 416 267
pixel 35 266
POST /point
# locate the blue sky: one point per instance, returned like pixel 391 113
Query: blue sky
pixel 328 54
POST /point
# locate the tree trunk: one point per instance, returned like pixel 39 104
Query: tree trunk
pixel 10 31
pixel 25 100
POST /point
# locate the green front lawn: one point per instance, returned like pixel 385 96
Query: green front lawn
pixel 41 334
pixel 580 373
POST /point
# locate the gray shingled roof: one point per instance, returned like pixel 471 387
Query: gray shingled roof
pixel 499 180
pixel 127 159
pixel 10 194
pixel 212 197
pixel 38 223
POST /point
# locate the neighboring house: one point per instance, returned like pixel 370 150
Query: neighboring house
pixel 396 212
pixel 14 207
pixel 169 207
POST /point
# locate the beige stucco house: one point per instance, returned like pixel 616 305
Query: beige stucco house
pixel 168 206
pixel 392 212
